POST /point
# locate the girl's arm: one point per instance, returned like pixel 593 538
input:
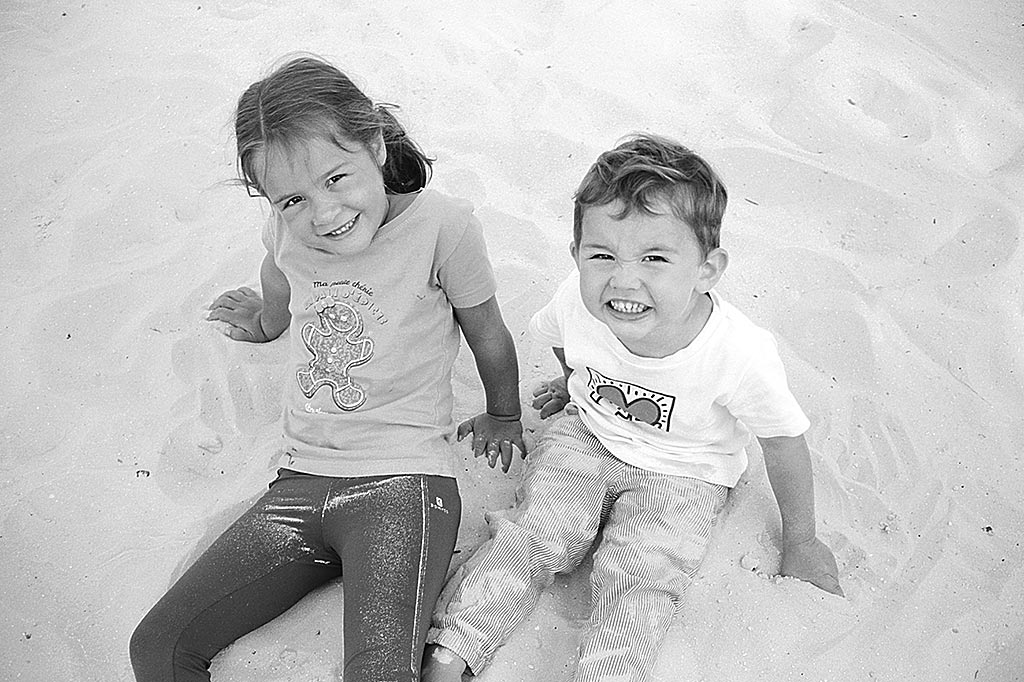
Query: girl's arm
pixel 497 430
pixel 804 556
pixel 251 317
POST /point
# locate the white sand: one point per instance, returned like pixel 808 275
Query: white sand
pixel 873 154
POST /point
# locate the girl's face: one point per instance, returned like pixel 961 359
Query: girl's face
pixel 332 199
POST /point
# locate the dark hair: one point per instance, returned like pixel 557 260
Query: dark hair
pixel 308 98
pixel 648 171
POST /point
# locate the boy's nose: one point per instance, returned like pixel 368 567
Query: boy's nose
pixel 625 276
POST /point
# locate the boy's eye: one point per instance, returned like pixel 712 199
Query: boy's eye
pixel 334 178
pixel 600 256
pixel 654 258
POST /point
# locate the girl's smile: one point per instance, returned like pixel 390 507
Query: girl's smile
pixel 343 229
pixel 330 194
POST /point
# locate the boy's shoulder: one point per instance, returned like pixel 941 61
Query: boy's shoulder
pixel 735 335
pixel 737 320
pixel 567 304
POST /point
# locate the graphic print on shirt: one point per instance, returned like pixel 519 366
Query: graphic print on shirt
pixel 631 402
pixel 336 344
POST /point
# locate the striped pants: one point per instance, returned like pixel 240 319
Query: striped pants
pixel 655 531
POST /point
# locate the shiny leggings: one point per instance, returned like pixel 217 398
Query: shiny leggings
pixel 392 537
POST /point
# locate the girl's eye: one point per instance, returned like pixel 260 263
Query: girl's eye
pixel 334 178
pixel 291 201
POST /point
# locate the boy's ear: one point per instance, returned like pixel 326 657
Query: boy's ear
pixel 574 251
pixel 711 269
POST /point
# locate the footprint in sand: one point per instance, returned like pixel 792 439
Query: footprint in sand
pixel 861 218
pixel 905 114
pixel 859 103
pixel 807 36
pixel 823 101
pixel 985 243
pixel 955 319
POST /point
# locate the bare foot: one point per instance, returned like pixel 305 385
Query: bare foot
pixel 442 665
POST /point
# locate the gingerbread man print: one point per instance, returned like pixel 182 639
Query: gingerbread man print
pixel 337 347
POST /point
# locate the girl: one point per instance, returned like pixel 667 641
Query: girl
pixel 375 276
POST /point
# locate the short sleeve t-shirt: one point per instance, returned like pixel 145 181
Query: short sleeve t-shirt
pixel 688 414
pixel 373 339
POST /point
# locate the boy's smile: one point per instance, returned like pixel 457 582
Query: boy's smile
pixel 644 276
pixel 331 198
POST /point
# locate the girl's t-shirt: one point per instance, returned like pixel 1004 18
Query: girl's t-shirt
pixel 688 414
pixel 373 339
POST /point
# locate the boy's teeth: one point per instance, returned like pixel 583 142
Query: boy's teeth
pixel 627 306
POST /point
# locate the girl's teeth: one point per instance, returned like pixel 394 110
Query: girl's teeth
pixel 344 228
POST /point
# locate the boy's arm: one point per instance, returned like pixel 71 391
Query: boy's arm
pixel 496 431
pixel 566 369
pixel 804 556
pixel 553 395
pixel 250 316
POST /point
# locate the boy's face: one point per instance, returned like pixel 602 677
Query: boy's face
pixel 645 277
pixel 331 199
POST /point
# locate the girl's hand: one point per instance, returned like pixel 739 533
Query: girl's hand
pixel 240 311
pixel 551 397
pixel 494 438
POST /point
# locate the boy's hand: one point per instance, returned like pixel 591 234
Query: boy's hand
pixel 494 438
pixel 551 397
pixel 812 561
pixel 240 310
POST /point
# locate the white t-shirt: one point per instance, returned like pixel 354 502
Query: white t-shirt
pixel 688 414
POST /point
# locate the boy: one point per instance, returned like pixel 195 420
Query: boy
pixel 668 380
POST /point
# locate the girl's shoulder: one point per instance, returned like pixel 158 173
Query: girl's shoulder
pixel 448 218
pixel 439 205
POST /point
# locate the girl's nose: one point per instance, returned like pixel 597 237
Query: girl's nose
pixel 324 212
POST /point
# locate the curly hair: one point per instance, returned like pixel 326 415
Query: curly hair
pixel 646 172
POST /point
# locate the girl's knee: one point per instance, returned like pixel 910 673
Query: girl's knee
pixel 157 652
pixel 148 648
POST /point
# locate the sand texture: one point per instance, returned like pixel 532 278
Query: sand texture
pixel 873 154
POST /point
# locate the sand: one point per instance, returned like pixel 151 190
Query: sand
pixel 873 153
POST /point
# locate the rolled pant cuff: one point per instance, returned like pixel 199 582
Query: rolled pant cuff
pixel 465 647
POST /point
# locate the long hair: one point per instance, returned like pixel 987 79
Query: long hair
pixel 306 98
